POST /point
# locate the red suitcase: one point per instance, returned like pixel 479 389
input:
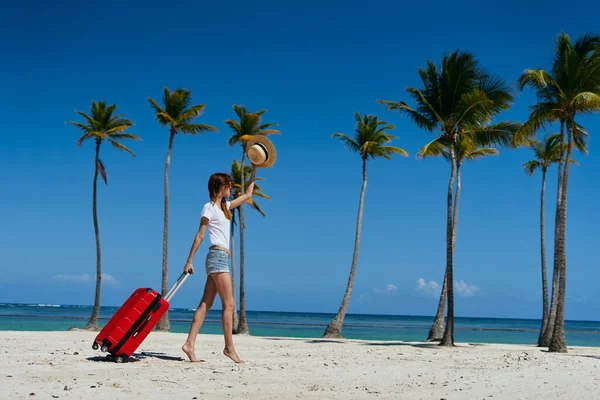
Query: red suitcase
pixel 133 321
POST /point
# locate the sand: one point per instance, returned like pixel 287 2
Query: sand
pixel 63 365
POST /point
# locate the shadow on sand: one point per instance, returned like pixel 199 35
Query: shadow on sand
pixel 586 356
pixel 422 345
pixel 136 357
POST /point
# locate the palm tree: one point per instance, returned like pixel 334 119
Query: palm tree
pixel 457 99
pixel 235 193
pixel 466 149
pixel 370 141
pixel 580 142
pixel 547 152
pixel 101 125
pixel 571 87
pixel 178 115
pixel 249 125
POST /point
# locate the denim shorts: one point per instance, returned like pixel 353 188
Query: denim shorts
pixel 216 261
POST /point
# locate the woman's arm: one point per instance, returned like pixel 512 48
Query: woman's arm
pixel 248 192
pixel 189 268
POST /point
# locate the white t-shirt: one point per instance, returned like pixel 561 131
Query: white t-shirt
pixel 218 224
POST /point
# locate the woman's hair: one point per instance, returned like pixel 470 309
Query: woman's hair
pixel 215 183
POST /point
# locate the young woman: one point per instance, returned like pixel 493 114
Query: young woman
pixel 216 215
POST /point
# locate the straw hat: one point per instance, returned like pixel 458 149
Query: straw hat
pixel 261 152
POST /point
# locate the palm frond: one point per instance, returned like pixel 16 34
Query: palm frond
pixel 420 120
pixel 474 107
pixel 259 193
pixel 347 141
pixel 256 207
pixel 426 104
pixel 266 132
pixel 85 136
pixel 103 124
pixel 587 102
pixel 193 129
pixel 192 113
pixel 102 171
pixel 91 121
pixel 386 152
pixel 248 125
pixel 499 134
pixel 125 136
pixel 537 79
pixel 79 125
pixel 371 139
pixel 531 166
pixel 115 126
pixel 455 98
pixel 237 185
pixel 542 114
pixel 480 153
pixel 435 148
pixel 161 115
pixel 580 137
pixel 178 113
pixel 119 146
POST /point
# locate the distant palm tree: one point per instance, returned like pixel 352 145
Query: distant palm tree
pixel 249 125
pixel 371 140
pixel 235 193
pixel 571 87
pixel 457 99
pixel 178 115
pixel 547 152
pixel 466 149
pixel 101 125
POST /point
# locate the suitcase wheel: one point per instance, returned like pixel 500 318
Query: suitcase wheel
pixel 118 359
pixel 95 346
pixel 104 349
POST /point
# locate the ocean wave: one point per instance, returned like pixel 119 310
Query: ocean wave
pixel 44 305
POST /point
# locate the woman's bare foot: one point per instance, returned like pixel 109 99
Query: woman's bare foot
pixel 233 355
pixel 189 351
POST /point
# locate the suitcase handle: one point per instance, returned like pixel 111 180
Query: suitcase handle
pixel 176 286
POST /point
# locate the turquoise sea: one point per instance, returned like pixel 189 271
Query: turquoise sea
pixel 55 317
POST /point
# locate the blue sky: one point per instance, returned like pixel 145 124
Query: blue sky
pixel 311 65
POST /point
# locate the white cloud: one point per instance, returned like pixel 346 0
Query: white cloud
pixel 389 290
pixel 110 280
pixel 430 288
pixel 84 278
pixel 72 278
pixel 462 288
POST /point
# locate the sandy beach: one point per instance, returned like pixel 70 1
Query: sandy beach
pixel 63 365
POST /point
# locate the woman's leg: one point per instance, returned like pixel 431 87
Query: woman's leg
pixel 210 291
pixel 223 283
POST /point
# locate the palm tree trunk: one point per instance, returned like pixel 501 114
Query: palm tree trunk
pixel 437 329
pixel 93 322
pixel 545 342
pixel 448 338
pixel 543 257
pixel 334 329
pixel 243 322
pixel 558 343
pixel 163 323
pixel 235 320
